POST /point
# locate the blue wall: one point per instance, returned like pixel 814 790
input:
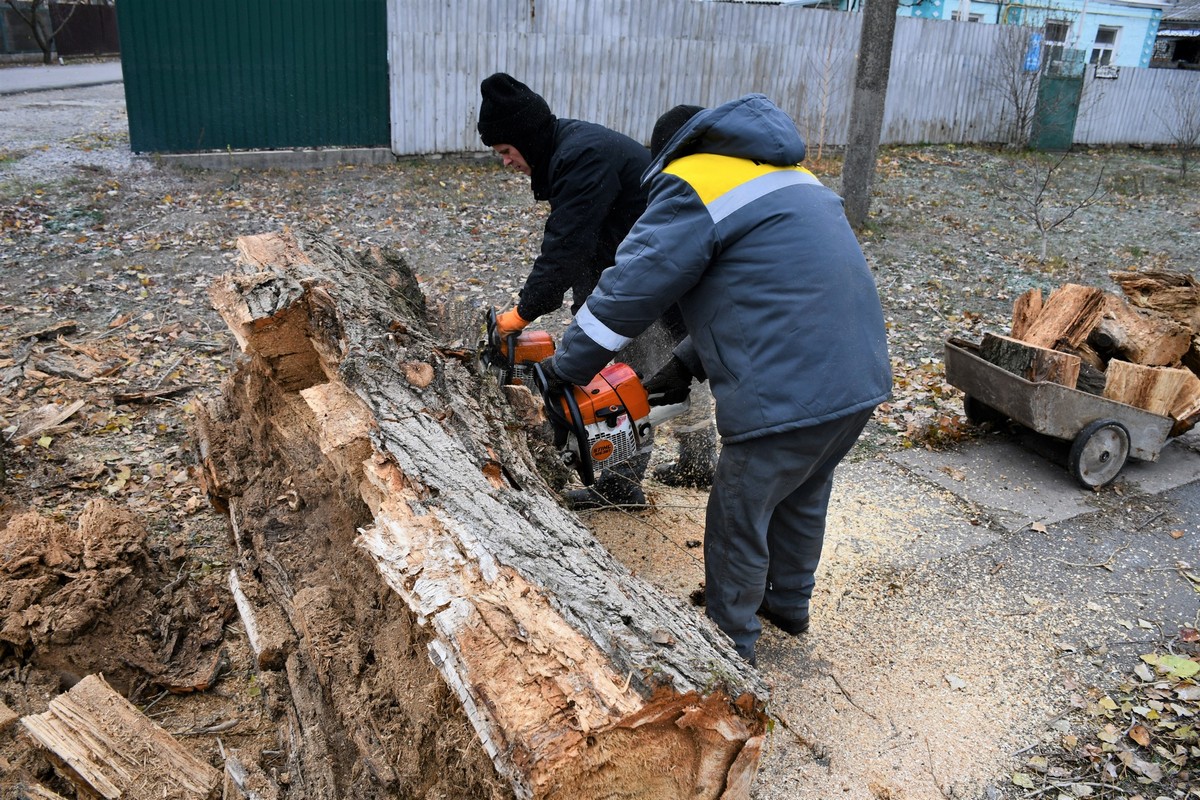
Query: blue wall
pixel 1138 24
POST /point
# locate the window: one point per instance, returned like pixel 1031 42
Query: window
pixel 970 17
pixel 1054 37
pixel 1106 42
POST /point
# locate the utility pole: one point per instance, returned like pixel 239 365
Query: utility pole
pixel 866 108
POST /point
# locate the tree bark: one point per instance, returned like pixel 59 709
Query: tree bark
pixel 576 678
pixel 1036 364
pixel 867 106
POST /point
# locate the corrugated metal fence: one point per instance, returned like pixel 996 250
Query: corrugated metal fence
pixel 254 74
pixel 623 62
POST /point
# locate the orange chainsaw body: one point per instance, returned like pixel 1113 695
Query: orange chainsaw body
pixel 613 414
pixel 529 348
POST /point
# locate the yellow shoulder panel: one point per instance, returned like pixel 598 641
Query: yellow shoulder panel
pixel 711 176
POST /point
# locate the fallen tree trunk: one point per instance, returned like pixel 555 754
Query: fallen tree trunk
pixel 577 678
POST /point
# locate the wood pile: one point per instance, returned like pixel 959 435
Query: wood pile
pixel 1142 349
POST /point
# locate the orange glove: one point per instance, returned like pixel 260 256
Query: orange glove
pixel 510 322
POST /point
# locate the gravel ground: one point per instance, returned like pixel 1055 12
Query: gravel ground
pixel 127 247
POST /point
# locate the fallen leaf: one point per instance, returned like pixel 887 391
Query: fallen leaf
pixel 1037 526
pixel 1140 735
pixel 1023 780
pixel 1176 534
pixel 1178 666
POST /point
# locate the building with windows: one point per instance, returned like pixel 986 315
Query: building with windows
pixel 1178 43
pixel 1108 33
pixel 1111 33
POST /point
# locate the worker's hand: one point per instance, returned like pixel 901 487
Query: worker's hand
pixel 510 322
pixel 670 385
pixel 551 382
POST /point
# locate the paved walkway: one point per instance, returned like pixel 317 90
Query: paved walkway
pixel 14 80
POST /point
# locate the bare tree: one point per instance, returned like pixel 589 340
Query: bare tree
pixel 825 65
pixel 866 108
pixel 1036 196
pixel 1015 85
pixel 1181 116
pixel 43 30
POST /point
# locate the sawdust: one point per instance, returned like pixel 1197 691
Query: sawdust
pixel 882 699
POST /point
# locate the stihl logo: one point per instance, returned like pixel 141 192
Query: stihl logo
pixel 601 450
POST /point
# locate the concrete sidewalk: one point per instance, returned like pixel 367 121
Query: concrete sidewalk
pixel 15 80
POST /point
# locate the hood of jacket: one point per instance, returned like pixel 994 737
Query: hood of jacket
pixel 751 127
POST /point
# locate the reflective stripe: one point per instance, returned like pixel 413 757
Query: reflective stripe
pixel 761 186
pixel 598 332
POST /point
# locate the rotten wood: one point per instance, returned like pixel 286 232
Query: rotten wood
pixel 45 420
pixel 1036 364
pixel 577 678
pixel 7 716
pixel 1176 294
pixel 103 745
pixel 32 790
pixel 1067 317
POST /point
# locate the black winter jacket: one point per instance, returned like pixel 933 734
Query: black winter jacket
pixel 594 184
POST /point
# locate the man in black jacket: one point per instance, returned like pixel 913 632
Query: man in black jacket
pixel 592 178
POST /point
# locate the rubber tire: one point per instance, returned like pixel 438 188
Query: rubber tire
pixel 1105 441
pixel 979 413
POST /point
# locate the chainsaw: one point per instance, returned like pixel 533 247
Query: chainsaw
pixel 600 425
pixel 511 358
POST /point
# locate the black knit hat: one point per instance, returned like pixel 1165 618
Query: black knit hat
pixel 669 124
pixel 511 112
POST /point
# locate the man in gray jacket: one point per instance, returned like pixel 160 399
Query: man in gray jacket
pixel 784 322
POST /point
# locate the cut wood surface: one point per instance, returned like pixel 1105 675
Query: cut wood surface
pixel 106 747
pixel 1067 317
pixel 1154 389
pixel 1143 337
pixel 578 679
pixel 1025 310
pixel 1036 364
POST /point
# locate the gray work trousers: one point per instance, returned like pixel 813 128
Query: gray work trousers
pixel 766 524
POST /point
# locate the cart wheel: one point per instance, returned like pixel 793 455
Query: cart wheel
pixel 1099 452
pixel 979 413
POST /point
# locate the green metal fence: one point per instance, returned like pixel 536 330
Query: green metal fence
pixel 253 74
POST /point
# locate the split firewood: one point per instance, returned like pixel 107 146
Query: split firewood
pixel 1067 317
pixel 1149 338
pixel 429 544
pixel 102 744
pixel 1155 389
pixel 1185 410
pixel 1025 311
pixel 1036 364
pixel 1176 294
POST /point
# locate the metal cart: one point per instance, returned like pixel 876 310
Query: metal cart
pixel 1103 433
